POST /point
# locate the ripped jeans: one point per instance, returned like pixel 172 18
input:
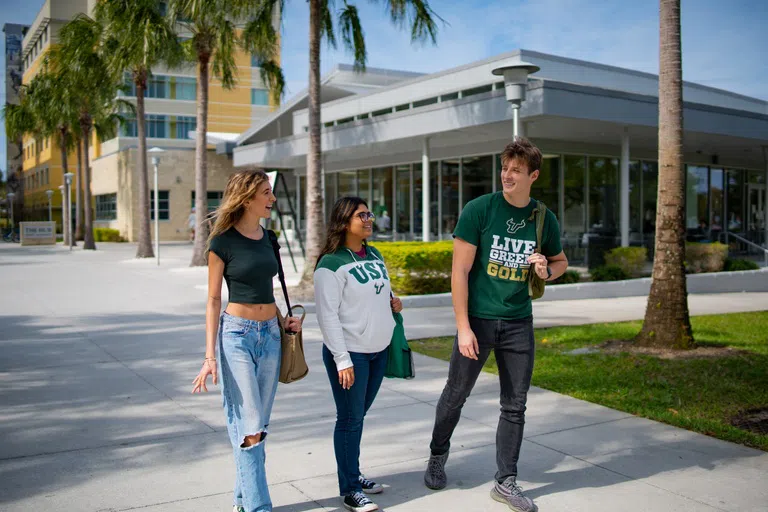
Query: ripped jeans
pixel 249 354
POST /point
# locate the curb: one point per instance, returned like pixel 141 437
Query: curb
pixel 742 281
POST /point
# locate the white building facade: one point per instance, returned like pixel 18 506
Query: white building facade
pixel 389 135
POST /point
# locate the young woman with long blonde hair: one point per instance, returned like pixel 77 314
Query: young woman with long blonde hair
pixel 247 334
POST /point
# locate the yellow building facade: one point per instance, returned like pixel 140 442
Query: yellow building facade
pixel 170 123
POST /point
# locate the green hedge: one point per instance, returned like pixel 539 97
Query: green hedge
pixel 418 268
pixel 107 235
pixel 570 276
pixel 733 265
pixel 630 259
pixel 705 257
pixel 608 273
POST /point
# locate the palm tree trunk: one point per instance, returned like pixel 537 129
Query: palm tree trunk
pixel 89 242
pixel 66 224
pixel 144 250
pixel 78 195
pixel 315 221
pixel 667 323
pixel 201 164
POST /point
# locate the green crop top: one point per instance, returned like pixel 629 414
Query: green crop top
pixel 249 266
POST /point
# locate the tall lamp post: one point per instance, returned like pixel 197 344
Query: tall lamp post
pixel 63 214
pixel 155 153
pixel 10 196
pixel 515 83
pixel 68 193
pixel 49 193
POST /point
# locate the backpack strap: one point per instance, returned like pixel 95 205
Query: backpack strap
pixel 280 273
pixel 539 213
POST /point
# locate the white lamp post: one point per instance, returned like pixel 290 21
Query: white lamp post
pixel 10 196
pixel 49 193
pixel 515 83
pixel 63 214
pixel 156 152
pixel 67 191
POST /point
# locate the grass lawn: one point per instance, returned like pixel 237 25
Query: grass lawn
pixel 696 394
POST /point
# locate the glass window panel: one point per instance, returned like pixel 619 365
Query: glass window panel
pixel 547 185
pixel 449 96
pixel 574 210
pixel 348 183
pixel 158 87
pixel 450 198
pixel 381 204
pixel 185 88
pixel 163 204
pixel 476 90
pixel 106 207
pixel 477 177
pixel 184 125
pixel 696 203
pixel 603 195
pixel 735 215
pixel 635 201
pixel 424 103
pixel 403 198
pixel 259 97
pixel 362 185
pixel 717 190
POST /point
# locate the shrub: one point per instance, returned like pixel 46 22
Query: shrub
pixel 608 273
pixel 630 259
pixel 570 276
pixel 705 257
pixel 107 235
pixel 733 265
pixel 417 268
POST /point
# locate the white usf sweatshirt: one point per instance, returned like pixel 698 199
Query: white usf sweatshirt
pixel 352 304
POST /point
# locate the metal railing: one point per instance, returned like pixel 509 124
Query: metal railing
pixel 728 234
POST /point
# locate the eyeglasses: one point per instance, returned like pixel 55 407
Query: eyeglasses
pixel 366 216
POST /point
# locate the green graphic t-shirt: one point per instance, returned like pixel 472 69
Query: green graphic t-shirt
pixel 505 236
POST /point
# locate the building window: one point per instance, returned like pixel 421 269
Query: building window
pixel 476 90
pixel 697 202
pixel 186 88
pixel 424 103
pixel 547 187
pixel 449 97
pixel 213 199
pixel 106 207
pixel 163 205
pixel 603 196
pixel 259 97
pixel 184 125
pixel 255 62
pixel 156 126
pixel 157 87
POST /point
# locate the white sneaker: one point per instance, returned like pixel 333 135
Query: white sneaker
pixel 369 486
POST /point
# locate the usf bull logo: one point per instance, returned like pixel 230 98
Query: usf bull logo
pixel 513 227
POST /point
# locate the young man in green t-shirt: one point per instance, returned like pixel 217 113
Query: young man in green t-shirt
pixel 494 248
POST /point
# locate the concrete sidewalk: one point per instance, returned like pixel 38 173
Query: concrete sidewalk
pixel 98 355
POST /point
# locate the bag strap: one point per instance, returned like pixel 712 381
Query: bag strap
pixel 540 216
pixel 280 273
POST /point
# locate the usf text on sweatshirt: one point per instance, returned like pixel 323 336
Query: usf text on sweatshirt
pixel 352 304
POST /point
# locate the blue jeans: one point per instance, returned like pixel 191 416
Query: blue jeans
pixel 351 406
pixel 249 355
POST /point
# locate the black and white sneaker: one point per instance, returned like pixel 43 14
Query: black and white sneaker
pixel 369 486
pixel 359 502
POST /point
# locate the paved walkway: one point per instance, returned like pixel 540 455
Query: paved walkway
pixel 99 352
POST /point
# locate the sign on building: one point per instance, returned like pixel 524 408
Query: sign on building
pixel 38 233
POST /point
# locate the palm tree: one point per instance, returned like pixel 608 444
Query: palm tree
pixel 217 28
pixel 667 322
pixel 421 18
pixel 47 109
pixel 79 64
pixel 136 37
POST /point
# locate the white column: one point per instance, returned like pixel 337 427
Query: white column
pixel 425 190
pixel 410 199
pixel 624 188
pixel 515 120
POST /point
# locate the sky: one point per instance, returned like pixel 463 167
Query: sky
pixel 724 43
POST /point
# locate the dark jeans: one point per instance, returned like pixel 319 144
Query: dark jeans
pixel 351 406
pixel 512 342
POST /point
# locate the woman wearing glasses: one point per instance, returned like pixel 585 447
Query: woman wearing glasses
pixel 354 309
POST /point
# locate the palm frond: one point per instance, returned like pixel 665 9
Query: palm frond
pixel 326 23
pixel 352 35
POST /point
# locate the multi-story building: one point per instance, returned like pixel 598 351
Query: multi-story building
pixel 14 35
pixel 170 124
